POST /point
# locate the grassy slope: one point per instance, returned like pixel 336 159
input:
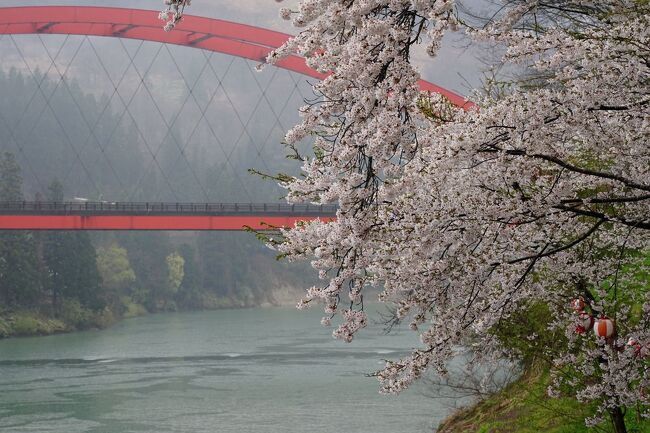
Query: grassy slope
pixel 523 407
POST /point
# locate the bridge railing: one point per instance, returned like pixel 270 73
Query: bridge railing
pixel 160 208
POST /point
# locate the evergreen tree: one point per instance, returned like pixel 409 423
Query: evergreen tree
pixel 20 282
pixel 54 253
pixel 86 283
pixel 55 191
pixel 71 263
pixel 147 253
pixel 11 182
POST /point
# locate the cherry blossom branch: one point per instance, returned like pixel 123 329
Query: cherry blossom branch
pixel 492 147
pixel 571 244
pixel 600 174
pixel 640 224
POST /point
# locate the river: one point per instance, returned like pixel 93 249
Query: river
pixel 249 370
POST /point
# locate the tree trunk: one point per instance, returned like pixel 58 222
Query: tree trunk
pixel 618 420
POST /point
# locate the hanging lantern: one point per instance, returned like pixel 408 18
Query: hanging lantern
pixel 578 304
pixel 635 345
pixel 604 327
pixel 585 322
pixel 640 350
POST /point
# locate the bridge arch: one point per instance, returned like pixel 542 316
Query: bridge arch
pixel 215 35
pixel 210 34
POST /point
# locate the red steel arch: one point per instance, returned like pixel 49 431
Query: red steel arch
pixel 210 34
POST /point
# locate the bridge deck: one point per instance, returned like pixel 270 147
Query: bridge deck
pixel 157 216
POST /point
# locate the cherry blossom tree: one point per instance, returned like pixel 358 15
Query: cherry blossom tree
pixel 465 216
pixel 538 193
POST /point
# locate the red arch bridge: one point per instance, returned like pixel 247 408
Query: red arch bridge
pixel 204 33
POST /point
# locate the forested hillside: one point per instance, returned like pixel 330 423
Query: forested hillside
pixel 55 281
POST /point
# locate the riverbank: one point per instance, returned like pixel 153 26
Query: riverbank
pixel 74 317
pixel 524 407
pixel 29 323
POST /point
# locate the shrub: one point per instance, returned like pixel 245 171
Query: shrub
pixel 26 324
pixel 131 308
pixel 103 318
pixel 75 315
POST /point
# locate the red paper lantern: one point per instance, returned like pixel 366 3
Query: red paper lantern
pixel 585 321
pixel 640 350
pixel 634 345
pixel 578 304
pixel 604 327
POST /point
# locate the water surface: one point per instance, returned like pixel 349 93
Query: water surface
pixel 252 370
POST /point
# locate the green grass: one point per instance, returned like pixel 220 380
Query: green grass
pixel 524 407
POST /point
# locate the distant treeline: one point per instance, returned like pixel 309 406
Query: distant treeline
pixel 63 275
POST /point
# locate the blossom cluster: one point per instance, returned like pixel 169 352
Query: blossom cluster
pixel 173 13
